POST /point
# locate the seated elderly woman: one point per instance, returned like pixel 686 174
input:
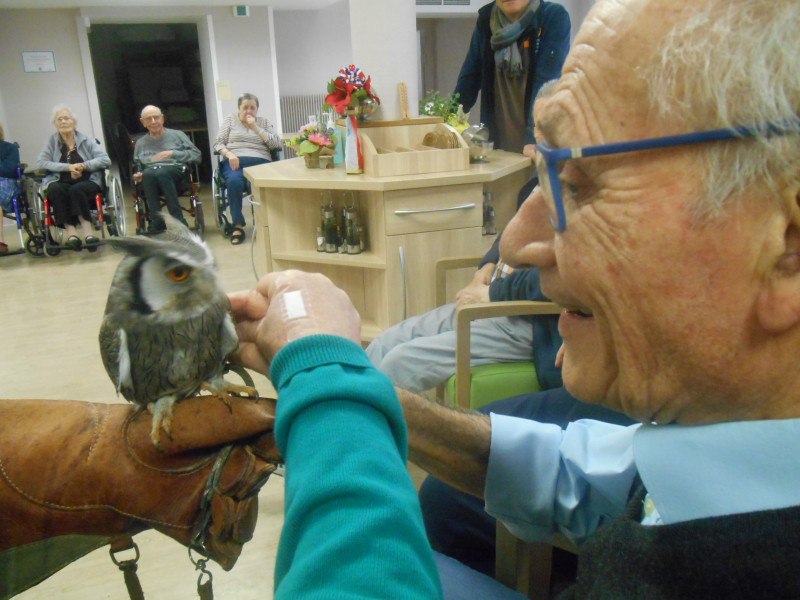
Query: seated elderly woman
pixel 9 159
pixel 75 163
pixel 243 140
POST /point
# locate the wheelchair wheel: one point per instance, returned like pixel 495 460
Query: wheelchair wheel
pixel 35 246
pixel 220 204
pixel 116 223
pixel 199 221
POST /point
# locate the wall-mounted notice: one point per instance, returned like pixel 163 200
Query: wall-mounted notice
pixel 42 61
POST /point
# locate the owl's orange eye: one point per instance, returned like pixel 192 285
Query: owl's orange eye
pixel 179 273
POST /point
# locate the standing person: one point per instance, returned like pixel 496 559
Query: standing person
pixel 162 158
pixel 244 140
pixel 516 47
pixel 75 163
pixel 9 159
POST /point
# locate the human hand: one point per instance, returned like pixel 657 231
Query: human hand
pixel 76 170
pixel 286 306
pixel 529 150
pixel 472 294
pixel 233 160
pixel 163 155
pixel 477 290
pixel 250 122
pixel 137 177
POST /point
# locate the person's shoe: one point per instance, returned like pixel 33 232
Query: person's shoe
pixel 92 243
pixel 156 227
pixel 73 243
pixel 237 236
pixel 3 248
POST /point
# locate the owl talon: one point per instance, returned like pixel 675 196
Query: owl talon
pixel 162 418
pixel 223 388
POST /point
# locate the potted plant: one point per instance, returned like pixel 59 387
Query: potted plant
pixel 314 141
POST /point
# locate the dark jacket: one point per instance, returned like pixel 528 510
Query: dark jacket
pixel 523 284
pixel 548 50
pixel 9 159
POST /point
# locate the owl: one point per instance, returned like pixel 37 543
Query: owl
pixel 167 330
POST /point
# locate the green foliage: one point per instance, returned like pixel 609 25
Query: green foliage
pixel 436 105
pixel 307 147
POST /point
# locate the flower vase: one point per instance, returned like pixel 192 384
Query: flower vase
pixel 312 160
pixel 353 159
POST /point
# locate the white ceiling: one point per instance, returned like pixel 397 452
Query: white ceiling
pixel 277 4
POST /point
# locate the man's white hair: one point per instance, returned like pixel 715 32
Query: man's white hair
pixel 735 62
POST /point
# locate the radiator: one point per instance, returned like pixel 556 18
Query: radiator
pixel 295 111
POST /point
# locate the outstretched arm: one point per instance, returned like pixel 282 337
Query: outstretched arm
pixel 353 526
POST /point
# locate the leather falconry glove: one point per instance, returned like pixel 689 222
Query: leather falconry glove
pixel 71 467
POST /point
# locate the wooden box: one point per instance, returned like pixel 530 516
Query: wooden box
pixel 401 150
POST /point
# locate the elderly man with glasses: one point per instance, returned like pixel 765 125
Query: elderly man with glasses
pixel 162 158
pixel 668 227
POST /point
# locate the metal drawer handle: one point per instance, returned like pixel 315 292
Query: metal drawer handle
pixel 431 210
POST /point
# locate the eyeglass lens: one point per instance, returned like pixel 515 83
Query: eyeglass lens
pixel 547 188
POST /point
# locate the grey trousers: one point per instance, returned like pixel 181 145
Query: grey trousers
pixel 419 353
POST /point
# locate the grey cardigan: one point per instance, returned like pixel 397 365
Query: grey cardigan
pixel 89 149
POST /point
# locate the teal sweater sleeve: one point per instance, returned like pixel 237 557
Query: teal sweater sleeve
pixel 353 526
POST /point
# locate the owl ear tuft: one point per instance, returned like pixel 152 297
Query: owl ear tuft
pixel 135 246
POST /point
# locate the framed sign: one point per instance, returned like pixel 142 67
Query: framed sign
pixel 43 61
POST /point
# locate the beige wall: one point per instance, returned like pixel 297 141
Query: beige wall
pixel 27 99
pixel 312 47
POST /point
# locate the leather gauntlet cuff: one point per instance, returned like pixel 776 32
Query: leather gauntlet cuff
pixel 69 467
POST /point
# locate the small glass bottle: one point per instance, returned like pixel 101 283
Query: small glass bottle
pixel 351 231
pixel 320 239
pixel 329 226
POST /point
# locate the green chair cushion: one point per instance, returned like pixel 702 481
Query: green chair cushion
pixel 497 381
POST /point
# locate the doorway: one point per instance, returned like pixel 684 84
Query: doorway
pixel 155 63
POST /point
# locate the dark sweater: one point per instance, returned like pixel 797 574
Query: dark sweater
pixel 752 555
pixel 9 159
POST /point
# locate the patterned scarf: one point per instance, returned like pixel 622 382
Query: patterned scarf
pixel 504 38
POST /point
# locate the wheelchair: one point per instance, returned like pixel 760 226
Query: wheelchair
pixel 220 195
pixel 186 189
pixel 20 211
pixel 107 215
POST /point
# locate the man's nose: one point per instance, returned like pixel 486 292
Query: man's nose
pixel 528 237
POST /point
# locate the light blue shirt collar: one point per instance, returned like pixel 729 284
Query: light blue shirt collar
pixel 693 472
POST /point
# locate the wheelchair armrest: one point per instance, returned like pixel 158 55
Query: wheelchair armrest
pixel 482 310
pixel 446 264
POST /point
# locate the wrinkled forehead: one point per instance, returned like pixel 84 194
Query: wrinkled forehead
pixel 603 94
pixel 151 112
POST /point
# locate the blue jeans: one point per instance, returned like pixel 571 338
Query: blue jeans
pixel 235 184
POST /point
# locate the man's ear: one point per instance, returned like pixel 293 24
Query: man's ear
pixel 779 302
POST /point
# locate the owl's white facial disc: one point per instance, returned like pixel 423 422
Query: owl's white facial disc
pixel 162 280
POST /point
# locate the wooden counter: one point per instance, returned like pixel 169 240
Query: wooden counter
pixel 411 221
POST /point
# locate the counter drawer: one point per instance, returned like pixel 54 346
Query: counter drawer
pixel 434 209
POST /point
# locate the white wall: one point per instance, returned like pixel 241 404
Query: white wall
pixel 27 99
pixel 452 42
pixel 312 46
pixel 244 59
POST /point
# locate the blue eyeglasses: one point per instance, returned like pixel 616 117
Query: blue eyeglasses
pixel 547 158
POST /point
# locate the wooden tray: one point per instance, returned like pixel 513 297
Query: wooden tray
pixel 414 157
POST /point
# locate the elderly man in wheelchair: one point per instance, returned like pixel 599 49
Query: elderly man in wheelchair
pixel 161 160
